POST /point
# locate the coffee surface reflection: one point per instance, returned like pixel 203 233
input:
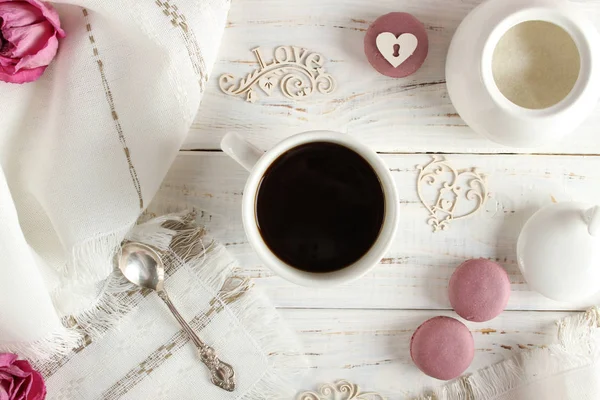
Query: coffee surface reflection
pixel 320 207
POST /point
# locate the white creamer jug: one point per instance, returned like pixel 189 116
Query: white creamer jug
pixel 559 251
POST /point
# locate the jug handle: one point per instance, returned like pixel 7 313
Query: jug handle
pixel 593 218
pixel 238 148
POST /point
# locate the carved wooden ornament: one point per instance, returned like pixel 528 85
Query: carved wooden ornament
pixel 449 194
pixel 340 390
pixel 297 72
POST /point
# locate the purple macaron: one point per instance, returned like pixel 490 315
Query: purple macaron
pixel 442 347
pixel 479 290
pixel 396 44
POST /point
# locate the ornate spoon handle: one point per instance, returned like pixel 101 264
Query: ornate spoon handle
pixel 221 373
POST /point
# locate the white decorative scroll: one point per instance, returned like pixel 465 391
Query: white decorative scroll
pixel 295 70
pixel 387 42
pixel 456 194
pixel 340 390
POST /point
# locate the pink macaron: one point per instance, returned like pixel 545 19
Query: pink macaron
pixel 396 44
pixel 442 347
pixel 479 290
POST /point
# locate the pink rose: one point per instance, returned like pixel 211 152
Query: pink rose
pixel 18 381
pixel 29 32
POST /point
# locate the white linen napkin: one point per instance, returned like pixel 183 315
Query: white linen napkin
pixel 146 354
pixel 84 149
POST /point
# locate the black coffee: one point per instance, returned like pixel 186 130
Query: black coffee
pixel 320 207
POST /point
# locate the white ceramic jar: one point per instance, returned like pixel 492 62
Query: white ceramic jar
pixel 473 89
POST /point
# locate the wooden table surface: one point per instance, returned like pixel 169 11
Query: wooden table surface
pixel 361 331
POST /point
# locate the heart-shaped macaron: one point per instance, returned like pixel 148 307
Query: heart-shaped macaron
pixel 387 42
pixel 396 44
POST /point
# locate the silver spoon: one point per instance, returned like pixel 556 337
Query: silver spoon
pixel 143 266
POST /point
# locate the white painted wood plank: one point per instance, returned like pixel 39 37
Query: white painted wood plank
pixel 416 271
pixel 413 114
pixel 371 347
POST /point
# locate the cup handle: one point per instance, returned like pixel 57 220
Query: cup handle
pixel 238 148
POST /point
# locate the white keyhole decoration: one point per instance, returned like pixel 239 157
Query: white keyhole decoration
pixel 387 41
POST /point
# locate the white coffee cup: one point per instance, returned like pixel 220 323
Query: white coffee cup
pixel 258 162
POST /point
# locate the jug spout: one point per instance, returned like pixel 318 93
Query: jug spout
pixel 593 218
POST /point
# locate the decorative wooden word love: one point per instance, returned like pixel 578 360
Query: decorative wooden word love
pixel 298 73
pixel 341 390
pixel 452 190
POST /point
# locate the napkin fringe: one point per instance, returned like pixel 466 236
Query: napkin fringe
pixel 185 245
pixel 577 347
pixel 80 300
pixel 259 320
pixel 119 296
pixel 60 341
pixel 93 259
pixel 263 325
pixel 84 276
pixel 102 308
pixel 283 352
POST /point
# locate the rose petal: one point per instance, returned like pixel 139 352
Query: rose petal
pixel 7 384
pixel 41 58
pixel 30 30
pixel 15 371
pixel 8 70
pixel 47 10
pixel 5 47
pixel 3 394
pixel 19 13
pixel 22 388
pixel 23 365
pixel 38 387
pixel 5 62
pixel 51 15
pixel 7 359
pixel 28 40
pixel 22 76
